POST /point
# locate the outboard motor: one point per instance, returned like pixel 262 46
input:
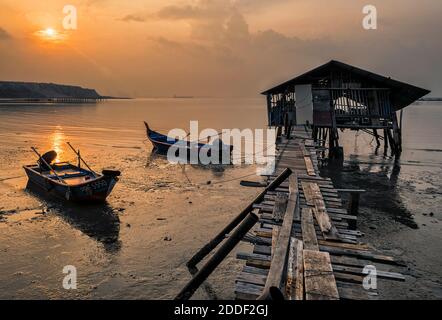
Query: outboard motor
pixel 49 157
pixel 111 173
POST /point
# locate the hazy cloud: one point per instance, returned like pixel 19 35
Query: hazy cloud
pixel 134 18
pixel 182 12
pixel 4 35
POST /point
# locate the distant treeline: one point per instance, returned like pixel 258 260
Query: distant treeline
pixel 35 90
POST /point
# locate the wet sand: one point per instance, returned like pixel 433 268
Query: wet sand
pixel 136 245
pixel 401 212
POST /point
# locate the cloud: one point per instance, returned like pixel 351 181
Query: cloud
pixel 224 57
pixel 134 18
pixel 181 12
pixel 4 35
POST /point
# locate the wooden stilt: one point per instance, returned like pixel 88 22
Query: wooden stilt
pixel 376 136
pixel 385 141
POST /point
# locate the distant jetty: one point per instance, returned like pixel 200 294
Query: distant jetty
pixel 34 92
pixel 431 99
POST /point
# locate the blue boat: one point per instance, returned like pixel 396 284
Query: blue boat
pixel 162 144
pixel 70 182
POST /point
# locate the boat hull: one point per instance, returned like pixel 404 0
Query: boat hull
pixel 95 190
pixel 163 143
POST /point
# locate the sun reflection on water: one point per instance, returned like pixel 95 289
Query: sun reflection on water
pixel 58 141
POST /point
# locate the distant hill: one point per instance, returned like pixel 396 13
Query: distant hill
pixel 35 90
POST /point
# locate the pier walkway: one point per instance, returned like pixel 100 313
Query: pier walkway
pixel 306 243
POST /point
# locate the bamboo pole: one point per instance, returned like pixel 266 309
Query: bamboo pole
pixel 204 251
pixel 247 223
pixel 80 158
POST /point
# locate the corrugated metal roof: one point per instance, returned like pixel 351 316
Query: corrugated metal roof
pixel 402 94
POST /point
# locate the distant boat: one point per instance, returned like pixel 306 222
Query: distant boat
pixel 162 144
pixel 69 181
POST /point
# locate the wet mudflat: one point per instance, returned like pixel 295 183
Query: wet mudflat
pixel 136 245
pixel 400 213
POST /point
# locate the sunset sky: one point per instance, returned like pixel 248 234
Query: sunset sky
pixel 156 48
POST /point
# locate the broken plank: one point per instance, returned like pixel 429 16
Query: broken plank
pixel 280 254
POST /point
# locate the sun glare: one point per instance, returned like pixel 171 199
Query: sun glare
pixel 50 34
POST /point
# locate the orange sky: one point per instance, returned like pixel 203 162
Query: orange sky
pixel 214 47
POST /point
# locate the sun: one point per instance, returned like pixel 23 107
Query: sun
pixel 49 32
pixel 50 35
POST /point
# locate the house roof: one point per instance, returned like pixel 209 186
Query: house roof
pixel 402 94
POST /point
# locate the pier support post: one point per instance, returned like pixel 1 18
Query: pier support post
pixel 376 136
pixel 353 204
pixel 385 141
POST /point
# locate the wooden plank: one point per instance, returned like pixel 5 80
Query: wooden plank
pixel 264 250
pixel 351 278
pixel 326 243
pixel 252 278
pixel 275 235
pixel 276 272
pixel 320 283
pixel 295 271
pixel 347 293
pixel 309 165
pixel 249 269
pixel 247 291
pixel 320 211
pixel 280 206
pixel 379 273
pixel 264 233
pixel 362 254
pixel 299 290
pixel 255 256
pixel 308 192
pixel 321 215
pixel 308 230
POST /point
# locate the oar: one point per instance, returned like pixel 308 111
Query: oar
pixel 49 166
pixel 79 157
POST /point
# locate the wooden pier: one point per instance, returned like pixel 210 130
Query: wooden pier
pixel 306 243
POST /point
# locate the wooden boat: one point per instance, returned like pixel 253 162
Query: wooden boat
pixel 162 143
pixel 71 182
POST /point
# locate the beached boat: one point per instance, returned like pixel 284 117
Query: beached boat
pixel 162 144
pixel 71 182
